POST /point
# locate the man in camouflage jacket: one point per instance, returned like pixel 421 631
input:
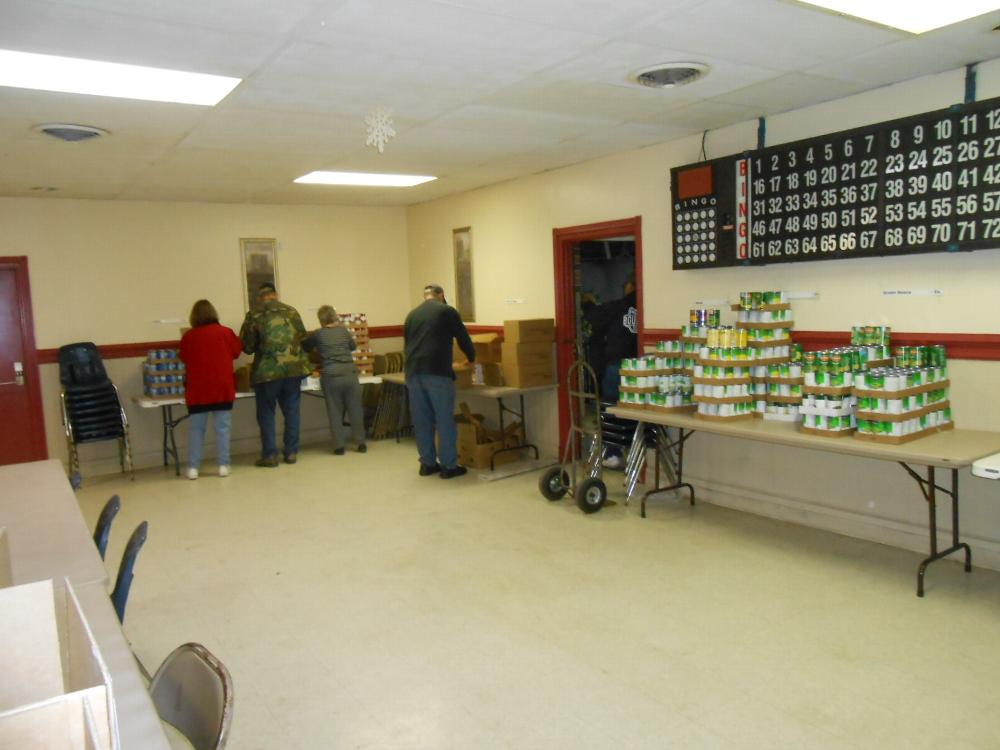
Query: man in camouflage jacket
pixel 272 332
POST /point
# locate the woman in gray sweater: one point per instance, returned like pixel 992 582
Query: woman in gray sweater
pixel 341 388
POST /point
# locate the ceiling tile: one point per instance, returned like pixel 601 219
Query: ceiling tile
pixel 789 91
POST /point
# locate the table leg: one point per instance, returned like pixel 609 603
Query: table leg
pixel 524 434
pixel 169 440
pixel 672 455
pixel 929 487
pixel 635 460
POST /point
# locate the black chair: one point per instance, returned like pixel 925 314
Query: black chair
pixel 91 408
pixel 103 529
pixel 119 596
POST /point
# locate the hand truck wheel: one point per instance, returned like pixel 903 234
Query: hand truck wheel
pixel 554 483
pixel 591 495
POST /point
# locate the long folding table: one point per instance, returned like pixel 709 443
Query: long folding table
pixel 166 406
pixel 949 450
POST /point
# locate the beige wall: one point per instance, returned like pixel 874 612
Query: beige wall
pixel 105 271
pixel 512 238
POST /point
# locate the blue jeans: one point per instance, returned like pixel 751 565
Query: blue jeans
pixel 287 394
pixel 432 404
pixel 198 424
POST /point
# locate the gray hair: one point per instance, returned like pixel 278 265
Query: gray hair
pixel 327 315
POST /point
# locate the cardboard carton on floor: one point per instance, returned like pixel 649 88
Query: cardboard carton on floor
pixel 54 691
pixel 539 331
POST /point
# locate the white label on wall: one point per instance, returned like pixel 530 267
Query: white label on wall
pixel 912 292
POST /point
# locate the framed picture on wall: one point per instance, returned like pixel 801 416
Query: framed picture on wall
pixel 465 300
pixel 260 265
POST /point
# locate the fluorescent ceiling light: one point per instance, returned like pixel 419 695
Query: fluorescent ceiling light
pixel 24 70
pixel 915 16
pixel 363 178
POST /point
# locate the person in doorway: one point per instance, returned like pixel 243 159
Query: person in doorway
pixel 207 351
pixel 272 331
pixel 339 380
pixel 428 333
pixel 617 321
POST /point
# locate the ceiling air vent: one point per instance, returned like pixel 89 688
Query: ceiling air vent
pixel 669 75
pixel 72 133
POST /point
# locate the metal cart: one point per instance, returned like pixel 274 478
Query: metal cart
pixel 590 491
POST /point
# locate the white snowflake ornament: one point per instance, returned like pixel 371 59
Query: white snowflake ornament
pixel 380 130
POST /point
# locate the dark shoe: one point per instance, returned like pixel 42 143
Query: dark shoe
pixel 268 461
pixel 291 458
pixel 454 471
pixel 338 451
pixel 426 471
pixel 362 448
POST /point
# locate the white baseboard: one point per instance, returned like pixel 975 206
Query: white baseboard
pixel 905 535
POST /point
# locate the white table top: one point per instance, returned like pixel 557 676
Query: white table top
pixel 486 391
pixel 950 449
pixel 46 532
pixel 139 725
pixel 308 386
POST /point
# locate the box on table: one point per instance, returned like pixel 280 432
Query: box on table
pixel 55 690
pixel 463 377
pixel 538 331
pixel 517 375
pixel 528 354
pixel 493 373
pixel 487 346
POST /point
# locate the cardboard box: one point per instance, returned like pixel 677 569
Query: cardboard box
pixel 528 354
pixel 487 346
pixel 241 377
pixel 463 377
pixel 537 331
pixel 493 373
pixel 517 375
pixel 55 687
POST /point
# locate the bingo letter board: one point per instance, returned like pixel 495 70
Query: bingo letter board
pixel 927 183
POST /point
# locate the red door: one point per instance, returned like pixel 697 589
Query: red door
pixel 563 240
pixel 22 435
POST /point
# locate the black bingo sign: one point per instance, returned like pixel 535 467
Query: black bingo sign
pixel 928 183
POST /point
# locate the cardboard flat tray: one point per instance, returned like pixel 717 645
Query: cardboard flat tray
pixel 815 411
pixel 674 409
pixel 769 361
pixel 693 339
pixel 723 400
pixel 827 433
pixel 793 400
pixel 650 373
pixel 878 416
pixel 766 308
pixel 768 326
pixel 872 363
pixel 826 390
pixel 784 381
pixel 728 362
pixel 914 391
pixel 754 344
pixel 900 439
pixel 745 380
pixel 633 389
pixel 714 418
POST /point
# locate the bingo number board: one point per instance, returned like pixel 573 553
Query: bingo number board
pixel 927 183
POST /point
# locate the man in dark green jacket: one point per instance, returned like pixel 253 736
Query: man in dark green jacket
pixel 272 332
pixel 430 379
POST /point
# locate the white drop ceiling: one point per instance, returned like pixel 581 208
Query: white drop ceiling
pixel 481 90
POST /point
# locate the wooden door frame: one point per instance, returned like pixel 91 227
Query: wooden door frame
pixel 563 239
pixel 19 264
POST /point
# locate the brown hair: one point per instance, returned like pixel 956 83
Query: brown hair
pixel 326 315
pixel 202 314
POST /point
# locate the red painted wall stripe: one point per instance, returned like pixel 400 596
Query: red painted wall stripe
pixel 979 346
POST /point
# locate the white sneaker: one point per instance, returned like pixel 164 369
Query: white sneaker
pixel 613 462
pixel 224 471
pixel 192 473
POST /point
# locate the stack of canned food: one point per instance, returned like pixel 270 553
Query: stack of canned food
pixel 901 378
pixel 701 318
pixel 757 300
pixel 727 354
pixel 911 428
pixel 726 337
pixel 871 335
pixel 726 411
pixel 768 335
pixel 163 373
pixel 763 316
pixel 921 356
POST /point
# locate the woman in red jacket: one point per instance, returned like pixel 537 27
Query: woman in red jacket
pixel 208 351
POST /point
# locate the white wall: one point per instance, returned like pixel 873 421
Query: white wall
pixel 104 271
pixel 512 228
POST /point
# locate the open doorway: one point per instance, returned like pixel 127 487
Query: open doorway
pixel 595 258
